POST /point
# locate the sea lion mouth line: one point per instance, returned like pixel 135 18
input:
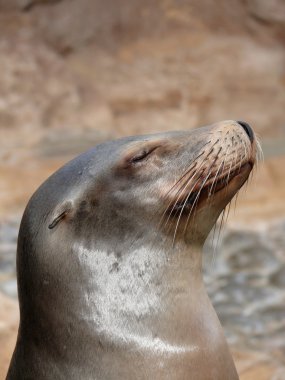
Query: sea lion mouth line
pixel 211 187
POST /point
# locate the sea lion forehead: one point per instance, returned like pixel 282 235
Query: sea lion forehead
pixel 107 152
pixel 129 144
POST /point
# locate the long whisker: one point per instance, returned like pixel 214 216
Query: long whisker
pixel 221 226
pixel 245 148
pixel 215 181
pixel 259 151
pixel 236 198
pixel 217 173
pixel 188 170
pixel 182 188
pixel 212 243
pixel 197 196
pixel 183 206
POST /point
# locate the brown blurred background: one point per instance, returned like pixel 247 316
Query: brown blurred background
pixel 74 73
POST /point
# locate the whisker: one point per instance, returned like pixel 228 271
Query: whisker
pixel 236 198
pixel 180 190
pixel 189 169
pixel 259 152
pixel 214 181
pixel 212 243
pixel 245 148
pixel 221 226
pixel 182 209
pixel 197 196
pixel 228 207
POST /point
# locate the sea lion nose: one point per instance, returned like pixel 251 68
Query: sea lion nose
pixel 247 129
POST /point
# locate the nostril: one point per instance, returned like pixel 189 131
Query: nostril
pixel 247 129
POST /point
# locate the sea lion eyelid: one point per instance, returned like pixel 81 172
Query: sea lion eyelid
pixel 142 154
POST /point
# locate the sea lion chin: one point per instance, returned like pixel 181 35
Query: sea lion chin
pixel 109 259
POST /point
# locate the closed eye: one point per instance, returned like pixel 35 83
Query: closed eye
pixel 140 156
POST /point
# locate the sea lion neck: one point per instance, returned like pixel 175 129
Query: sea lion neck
pixel 140 292
pixel 158 260
pixel 153 255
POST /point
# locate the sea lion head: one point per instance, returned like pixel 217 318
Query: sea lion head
pixel 176 183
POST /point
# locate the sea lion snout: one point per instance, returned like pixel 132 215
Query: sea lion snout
pixel 224 156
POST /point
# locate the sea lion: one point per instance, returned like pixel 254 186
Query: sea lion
pixel 109 259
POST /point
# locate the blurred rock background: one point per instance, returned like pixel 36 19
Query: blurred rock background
pixel 74 73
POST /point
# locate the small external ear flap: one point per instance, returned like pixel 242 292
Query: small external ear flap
pixel 60 213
